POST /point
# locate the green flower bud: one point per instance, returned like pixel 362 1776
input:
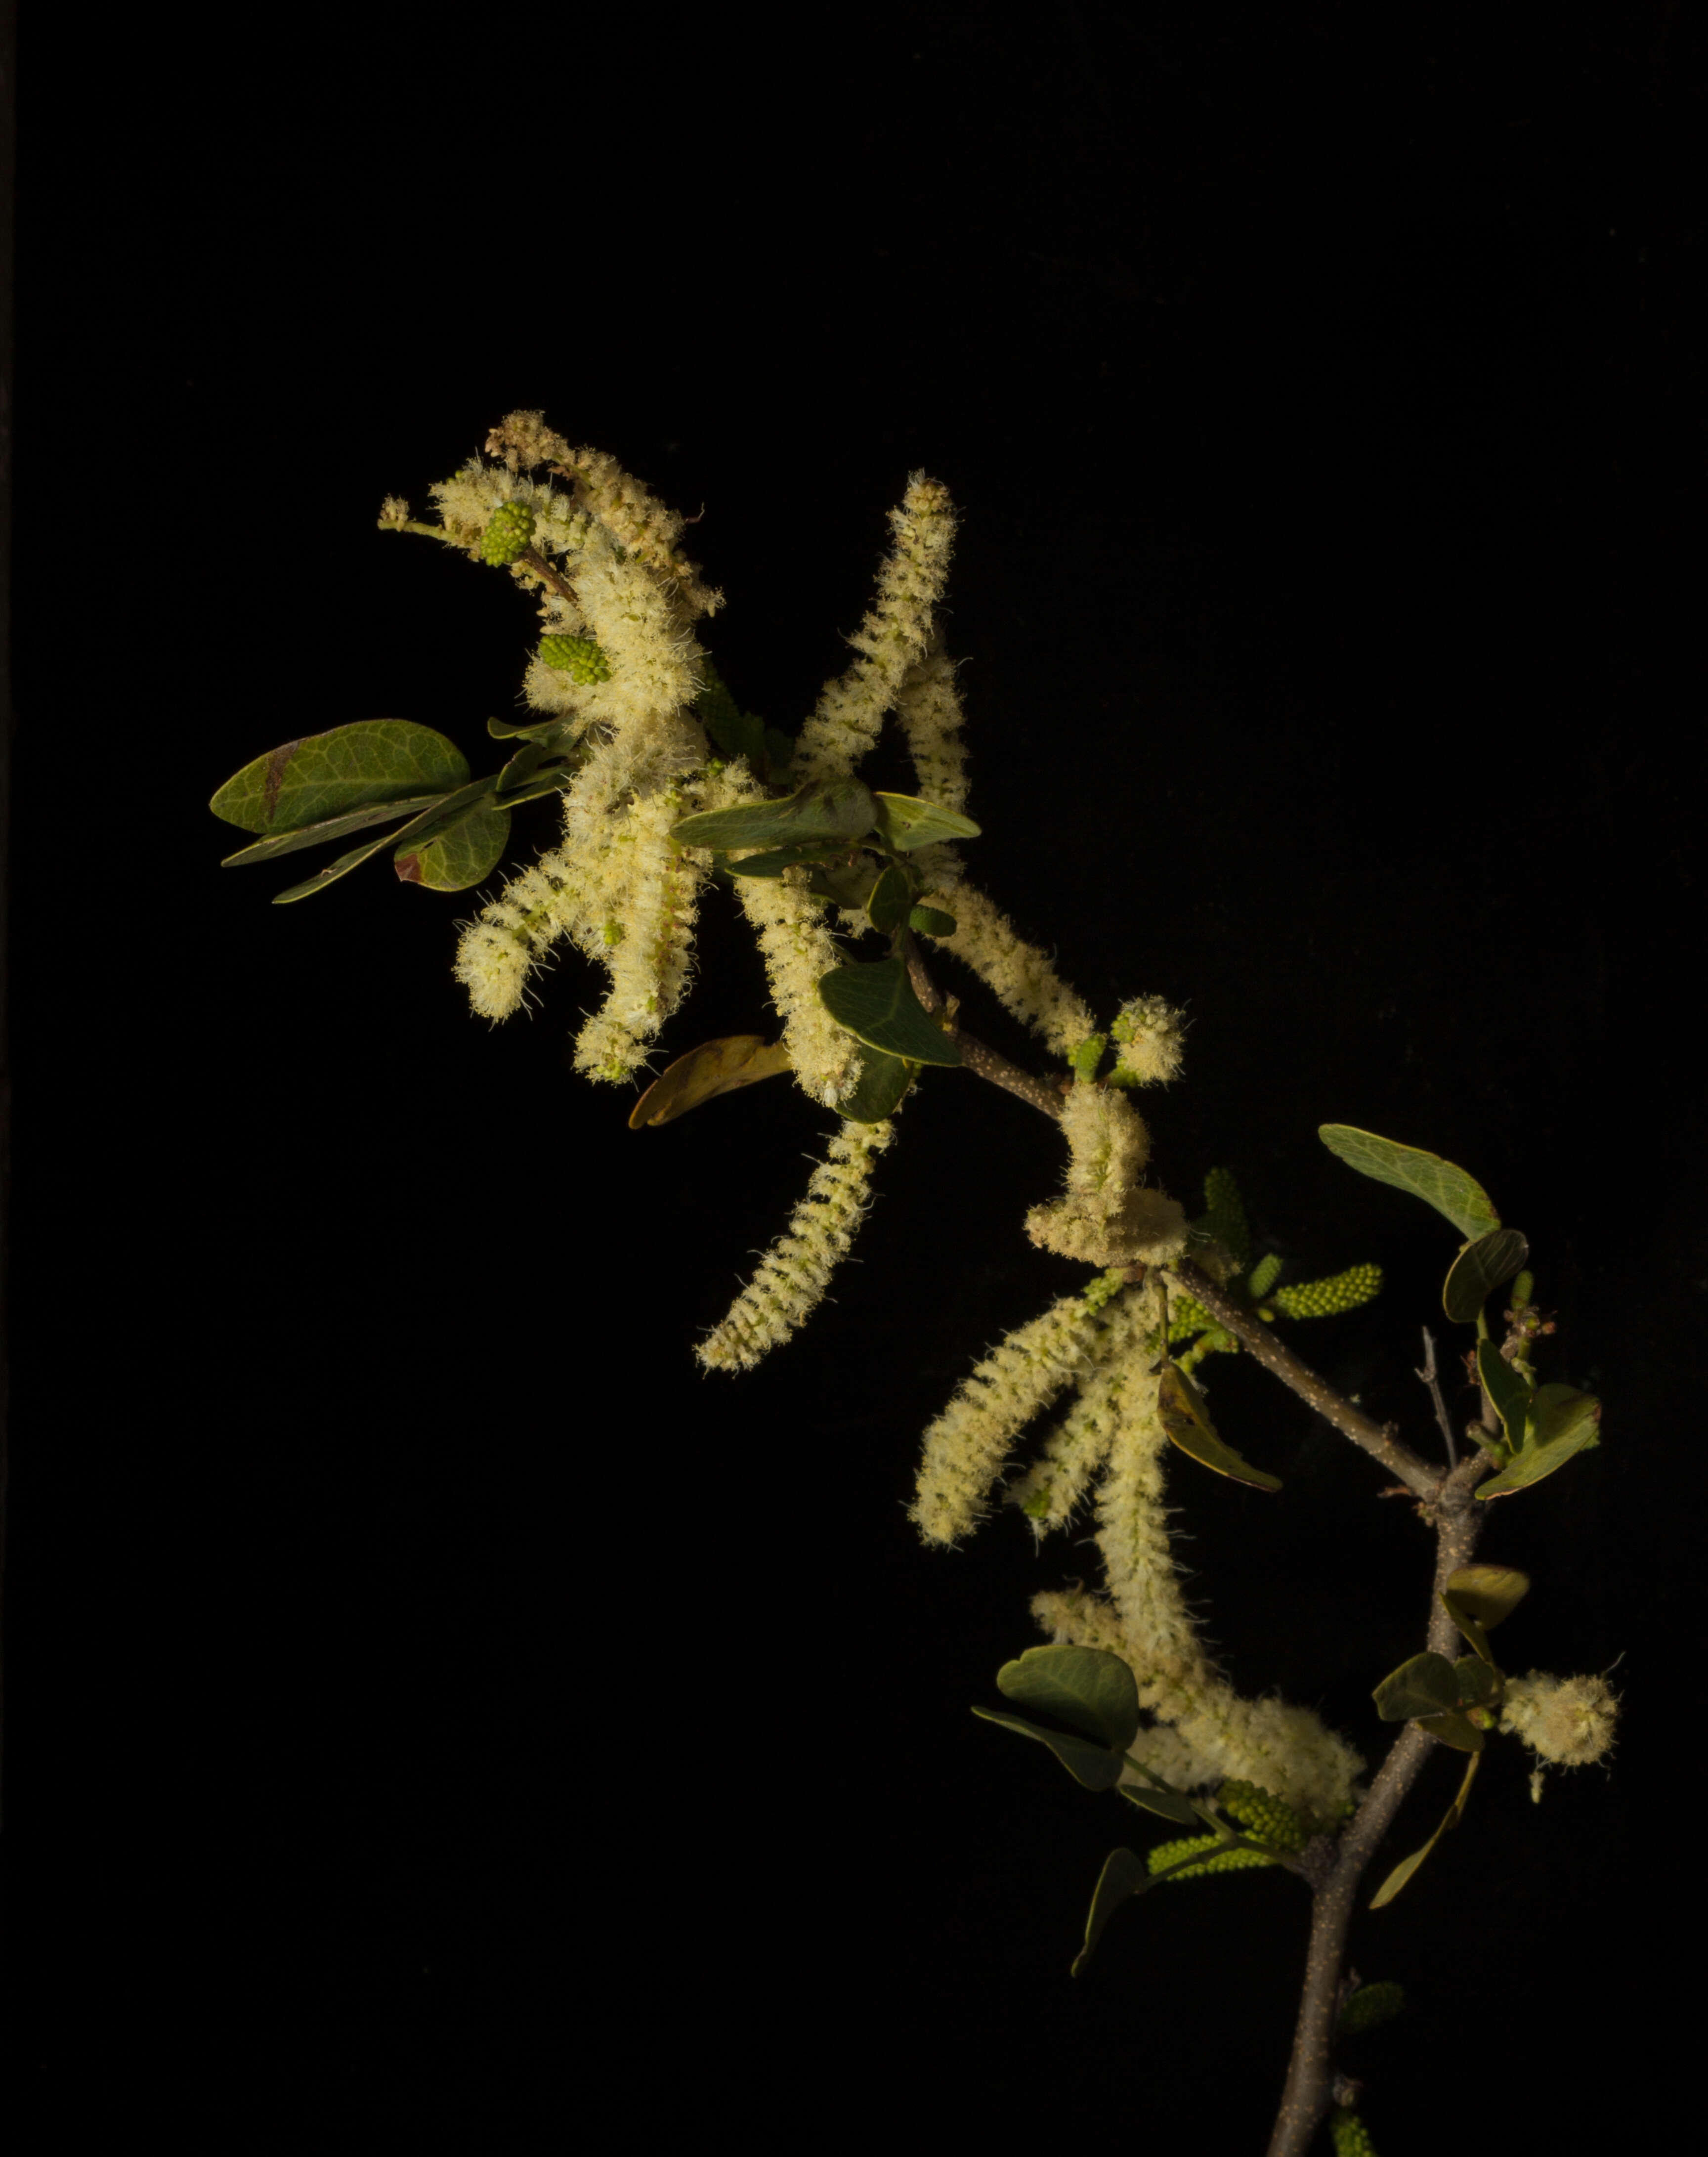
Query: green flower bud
pixel 509 535
pixel 1266 1815
pixel 577 657
pixel 1228 1858
pixel 1319 1299
pixel 1350 2135
pixel 1371 2005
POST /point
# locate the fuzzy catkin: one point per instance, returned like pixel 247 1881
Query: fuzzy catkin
pixel 1017 973
pixel 966 1445
pixel 895 635
pixel 793 1273
pixel 1074 1451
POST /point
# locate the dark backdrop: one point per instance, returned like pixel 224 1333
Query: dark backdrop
pixel 439 1713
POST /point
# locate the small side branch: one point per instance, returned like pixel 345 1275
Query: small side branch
pixel 1377 1439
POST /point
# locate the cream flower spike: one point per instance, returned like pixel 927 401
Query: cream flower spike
pixel 896 634
pixel 1017 973
pixel 1109 1217
pixel 793 1273
pixel 965 1447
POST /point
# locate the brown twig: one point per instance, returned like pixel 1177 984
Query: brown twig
pixel 1377 1439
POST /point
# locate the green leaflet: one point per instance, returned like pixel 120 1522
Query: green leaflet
pixel 829 809
pixel 369 763
pixel 462 854
pixel 1480 1268
pixel 904 822
pixel 1426 1176
pixel 876 1004
pixel 1187 1422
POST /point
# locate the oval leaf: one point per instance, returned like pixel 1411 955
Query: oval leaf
pixel 1402 1872
pixel 1486 1593
pixel 1094 1765
pixel 877 1005
pixel 877 1092
pixel 831 809
pixel 1506 1389
pixel 1427 1684
pixel 1187 1422
pixel 1123 1876
pixel 1426 1176
pixel 889 900
pixel 1089 1687
pixel 461 856
pixel 1561 1424
pixel 1454 1729
pixel 714 1068
pixel 332 827
pixel 1478 1271
pixel 904 821
pixel 324 775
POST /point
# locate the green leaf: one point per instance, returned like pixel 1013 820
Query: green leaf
pixel 775 859
pixel 889 901
pixel 322 775
pixel 1479 1681
pixel 1187 1422
pixel 1478 1271
pixel 1163 1800
pixel 531 729
pixel 1455 1812
pixel 1089 1688
pixel 1094 1765
pixel 877 1005
pixel 1447 1189
pixel 1506 1389
pixel 1454 1729
pixel 714 1068
pixel 1561 1424
pixel 1122 1875
pixel 932 921
pixel 882 1081
pixel 904 822
pixel 333 828
pixel 461 855
pixel 432 822
pixel 1426 1685
pixel 829 809
pixel 1478 1596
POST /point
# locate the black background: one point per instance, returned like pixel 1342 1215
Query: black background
pixel 438 1714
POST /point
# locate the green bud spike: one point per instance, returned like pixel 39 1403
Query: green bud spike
pixel 577 657
pixel 1084 1060
pixel 1262 1275
pixel 1319 1299
pixel 1225 1216
pixel 1269 1818
pixel 1226 1858
pixel 509 535
pixel 1350 2135
pixel 1371 2005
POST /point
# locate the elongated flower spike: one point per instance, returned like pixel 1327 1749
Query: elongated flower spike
pixel 795 1272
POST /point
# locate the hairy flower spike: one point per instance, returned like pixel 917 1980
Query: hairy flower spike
pixel 895 636
pixel 1109 1217
pixel 1285 1750
pixel 1568 1721
pixel 1017 973
pixel 793 1275
pixel 1150 1035
pixel 965 1447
